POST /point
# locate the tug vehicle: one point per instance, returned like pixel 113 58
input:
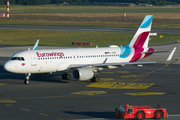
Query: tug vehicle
pixel 139 112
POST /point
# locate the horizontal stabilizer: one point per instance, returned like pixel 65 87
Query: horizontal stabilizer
pixel 156 51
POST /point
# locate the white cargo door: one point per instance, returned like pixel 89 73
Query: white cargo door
pixel 33 59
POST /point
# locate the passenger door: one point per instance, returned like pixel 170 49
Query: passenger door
pixel 33 59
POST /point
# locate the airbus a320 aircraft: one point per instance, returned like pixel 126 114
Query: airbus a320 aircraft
pixel 84 63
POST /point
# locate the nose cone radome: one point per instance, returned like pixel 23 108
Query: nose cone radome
pixel 8 67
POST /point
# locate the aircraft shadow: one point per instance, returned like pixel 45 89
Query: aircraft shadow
pixel 7 77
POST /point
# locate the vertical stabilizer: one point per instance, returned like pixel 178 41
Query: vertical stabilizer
pixel 141 38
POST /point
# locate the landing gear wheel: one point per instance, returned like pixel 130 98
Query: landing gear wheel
pixel 95 79
pixel 140 115
pixel 66 76
pixel 158 114
pixel 26 82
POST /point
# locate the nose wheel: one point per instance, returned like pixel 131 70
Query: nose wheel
pixel 26 82
pixel 27 78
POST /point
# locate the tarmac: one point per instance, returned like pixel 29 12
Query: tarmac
pixel 50 97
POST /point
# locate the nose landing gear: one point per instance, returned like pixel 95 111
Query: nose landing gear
pixel 27 78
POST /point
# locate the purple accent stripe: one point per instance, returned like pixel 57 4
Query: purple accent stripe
pixel 138 46
pixel 137 54
pixel 141 39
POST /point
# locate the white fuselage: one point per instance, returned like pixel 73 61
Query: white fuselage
pixel 53 60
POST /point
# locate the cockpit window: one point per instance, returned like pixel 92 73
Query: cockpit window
pixel 17 58
pixel 22 58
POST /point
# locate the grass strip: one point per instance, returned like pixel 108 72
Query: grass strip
pixel 85 8
pixel 65 38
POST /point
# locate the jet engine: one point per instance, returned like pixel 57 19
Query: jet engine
pixel 83 74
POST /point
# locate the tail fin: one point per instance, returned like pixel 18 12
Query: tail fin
pixel 141 38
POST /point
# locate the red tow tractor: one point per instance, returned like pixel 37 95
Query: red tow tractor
pixel 139 112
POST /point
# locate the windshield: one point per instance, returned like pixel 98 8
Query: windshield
pixel 17 58
pixel 123 109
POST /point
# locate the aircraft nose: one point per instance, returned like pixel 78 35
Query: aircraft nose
pixel 7 67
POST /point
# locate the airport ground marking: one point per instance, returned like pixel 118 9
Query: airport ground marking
pixel 120 85
pixel 7 101
pixel 175 59
pixel 61 119
pixel 2 84
pixel 167 64
pixel 90 93
pixel 8 105
pixel 108 72
pixel 25 109
pixel 43 114
pixel 123 72
pixel 153 59
pixel 145 93
pixel 132 76
pixel 106 79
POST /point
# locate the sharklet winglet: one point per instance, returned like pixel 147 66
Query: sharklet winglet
pixel 171 54
pixel 36 45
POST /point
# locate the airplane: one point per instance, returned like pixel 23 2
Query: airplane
pixel 84 63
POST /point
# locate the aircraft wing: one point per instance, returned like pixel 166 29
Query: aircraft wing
pixel 120 63
pixel 110 64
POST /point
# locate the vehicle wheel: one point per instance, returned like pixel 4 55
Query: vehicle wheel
pixel 158 114
pixel 140 115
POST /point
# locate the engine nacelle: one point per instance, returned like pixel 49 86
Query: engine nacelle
pixel 83 74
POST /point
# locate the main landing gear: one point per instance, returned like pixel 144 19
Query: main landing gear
pixel 66 76
pixel 27 78
pixel 95 79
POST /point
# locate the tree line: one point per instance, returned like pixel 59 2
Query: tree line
pixel 88 2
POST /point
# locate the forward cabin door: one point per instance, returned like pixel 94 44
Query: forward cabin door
pixel 33 59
